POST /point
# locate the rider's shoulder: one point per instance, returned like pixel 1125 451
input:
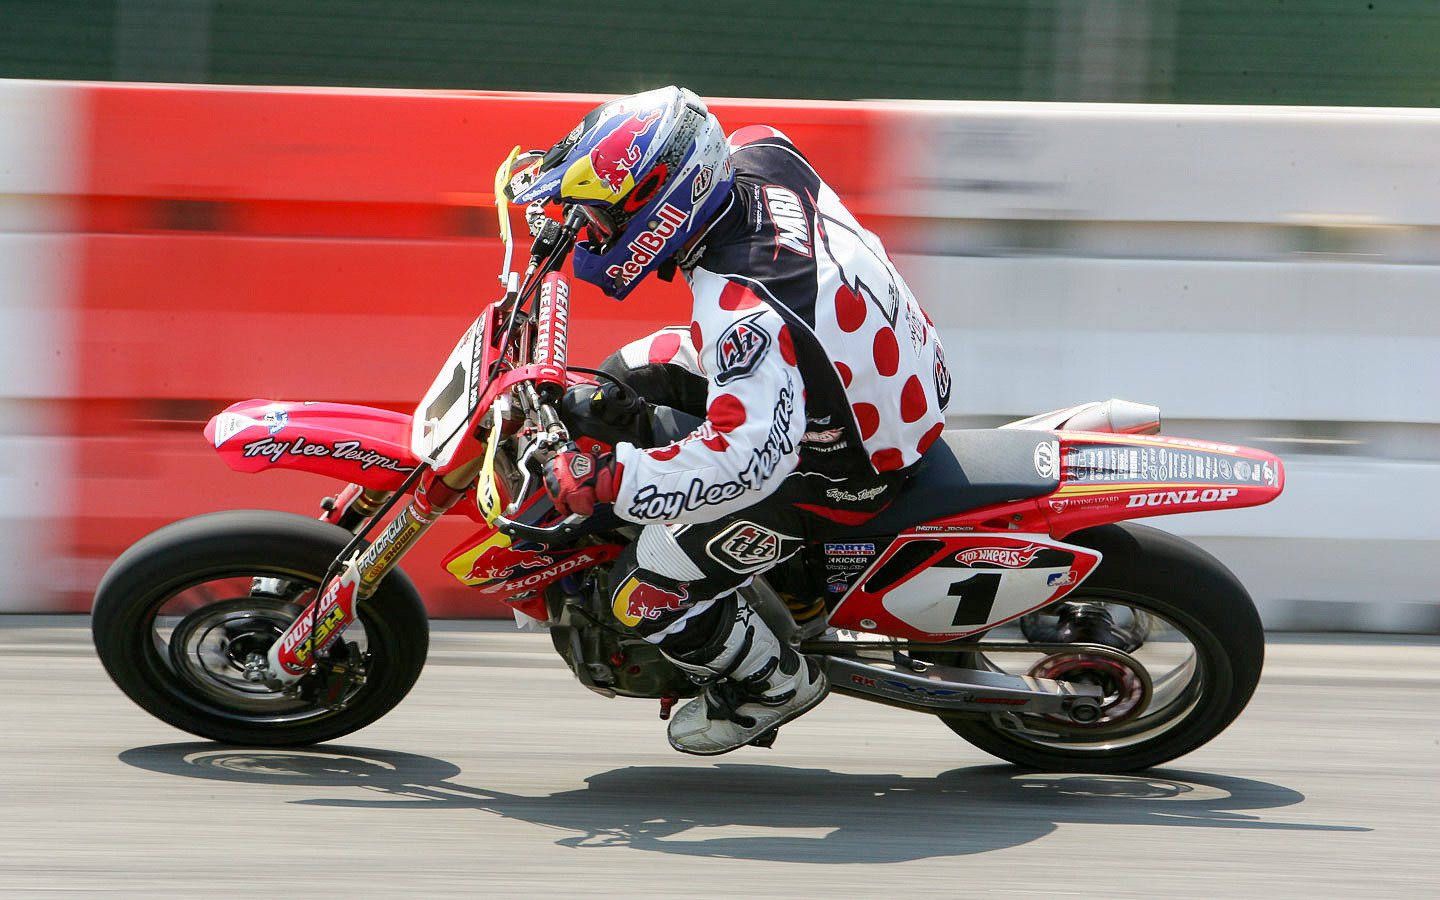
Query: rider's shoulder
pixel 756 135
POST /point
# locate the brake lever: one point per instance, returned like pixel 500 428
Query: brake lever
pixel 565 528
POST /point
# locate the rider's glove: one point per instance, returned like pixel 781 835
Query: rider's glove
pixel 577 481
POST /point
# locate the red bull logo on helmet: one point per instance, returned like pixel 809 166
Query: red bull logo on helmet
pixel 638 600
pixel 615 155
pixel 648 244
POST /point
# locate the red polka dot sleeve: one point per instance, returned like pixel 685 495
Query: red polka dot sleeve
pixel 755 417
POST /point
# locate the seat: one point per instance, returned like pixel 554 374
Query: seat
pixel 967 469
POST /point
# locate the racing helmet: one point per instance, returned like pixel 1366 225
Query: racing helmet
pixel 648 171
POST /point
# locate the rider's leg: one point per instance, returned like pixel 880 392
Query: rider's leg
pixel 682 598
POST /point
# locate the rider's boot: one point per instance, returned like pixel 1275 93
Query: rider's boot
pixel 756 683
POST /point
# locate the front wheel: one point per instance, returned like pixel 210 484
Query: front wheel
pixel 1183 618
pixel 182 618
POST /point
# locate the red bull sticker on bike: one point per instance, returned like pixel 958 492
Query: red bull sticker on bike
pixel 496 565
pixel 566 562
pixel 640 600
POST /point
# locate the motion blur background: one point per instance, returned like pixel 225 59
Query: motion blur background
pixel 1227 208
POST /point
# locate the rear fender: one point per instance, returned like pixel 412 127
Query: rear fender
pixel 359 444
pixel 1108 478
pixel 1114 477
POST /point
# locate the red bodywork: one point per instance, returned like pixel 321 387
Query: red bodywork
pixel 359 444
pixel 1104 478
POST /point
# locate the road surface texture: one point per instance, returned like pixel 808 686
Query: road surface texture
pixel 501 777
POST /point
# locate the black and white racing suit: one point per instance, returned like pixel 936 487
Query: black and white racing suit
pixel 824 382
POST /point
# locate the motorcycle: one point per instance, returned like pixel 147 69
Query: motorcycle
pixel 1005 590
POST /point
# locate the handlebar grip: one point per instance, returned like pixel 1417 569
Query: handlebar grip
pixel 552 323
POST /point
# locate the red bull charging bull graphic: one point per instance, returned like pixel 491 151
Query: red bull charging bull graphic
pixel 638 600
pixel 505 562
pixel 615 155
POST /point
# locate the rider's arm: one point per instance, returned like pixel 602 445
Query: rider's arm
pixel 755 419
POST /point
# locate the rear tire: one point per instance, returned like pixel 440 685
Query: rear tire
pixel 1167 579
pixel 199 582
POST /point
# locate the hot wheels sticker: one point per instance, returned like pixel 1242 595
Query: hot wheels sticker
pixel 1008 557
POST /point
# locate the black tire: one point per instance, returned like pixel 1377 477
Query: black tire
pixel 177 567
pixel 1167 577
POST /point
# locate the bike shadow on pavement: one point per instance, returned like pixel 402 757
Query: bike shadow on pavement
pixel 761 812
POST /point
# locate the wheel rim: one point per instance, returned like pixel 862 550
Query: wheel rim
pixel 204 632
pixel 1172 671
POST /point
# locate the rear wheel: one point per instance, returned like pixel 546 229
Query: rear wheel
pixel 1188 625
pixel 182 622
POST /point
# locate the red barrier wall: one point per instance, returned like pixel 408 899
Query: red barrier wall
pixel 312 244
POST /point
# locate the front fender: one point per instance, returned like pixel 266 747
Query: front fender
pixel 359 444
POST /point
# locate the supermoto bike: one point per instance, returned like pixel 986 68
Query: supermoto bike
pixel 1002 591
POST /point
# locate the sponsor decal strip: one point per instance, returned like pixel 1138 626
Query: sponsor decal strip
pixel 1088 439
pixel 352 451
pixel 1082 490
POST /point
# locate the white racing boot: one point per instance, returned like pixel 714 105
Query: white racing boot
pixel 758 685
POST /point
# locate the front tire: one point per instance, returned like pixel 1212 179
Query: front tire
pixel 177 614
pixel 1200 628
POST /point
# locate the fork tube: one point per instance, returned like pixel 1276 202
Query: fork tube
pixel 290 656
pixel 431 501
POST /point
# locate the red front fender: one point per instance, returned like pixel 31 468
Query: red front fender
pixel 359 444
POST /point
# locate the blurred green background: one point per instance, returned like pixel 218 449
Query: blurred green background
pixel 1327 52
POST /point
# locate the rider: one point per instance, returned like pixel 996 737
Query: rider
pixel 823 385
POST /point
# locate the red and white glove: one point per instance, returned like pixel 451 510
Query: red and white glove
pixel 577 481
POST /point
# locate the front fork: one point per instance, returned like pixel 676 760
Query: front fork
pixel 292 656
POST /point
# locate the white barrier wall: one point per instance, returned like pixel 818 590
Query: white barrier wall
pixel 1265 276
pixel 39 147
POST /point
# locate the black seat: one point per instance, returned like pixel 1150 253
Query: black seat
pixel 968 469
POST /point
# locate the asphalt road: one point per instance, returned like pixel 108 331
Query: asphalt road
pixel 500 777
